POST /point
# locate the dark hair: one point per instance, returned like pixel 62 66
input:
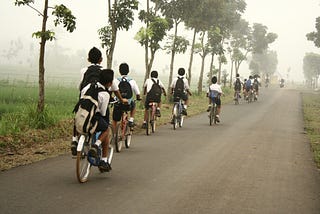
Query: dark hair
pixel 181 71
pixel 106 76
pixel 214 80
pixel 94 55
pixel 250 77
pixel 237 75
pixel 154 74
pixel 124 68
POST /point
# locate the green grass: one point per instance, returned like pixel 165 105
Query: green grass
pixel 311 109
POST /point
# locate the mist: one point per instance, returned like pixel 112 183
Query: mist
pixel 291 20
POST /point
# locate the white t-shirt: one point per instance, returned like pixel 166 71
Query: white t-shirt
pixel 215 87
pixel 103 98
pixel 149 83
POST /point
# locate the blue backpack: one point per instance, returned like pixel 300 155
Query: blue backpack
pixel 248 84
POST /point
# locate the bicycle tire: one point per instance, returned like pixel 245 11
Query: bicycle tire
pixel 111 144
pixel 211 116
pixel 215 114
pixel 82 164
pixel 118 140
pixel 128 136
pixel 175 116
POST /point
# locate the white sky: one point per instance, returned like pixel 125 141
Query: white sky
pixel 290 19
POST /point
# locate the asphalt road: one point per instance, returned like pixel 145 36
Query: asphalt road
pixel 258 160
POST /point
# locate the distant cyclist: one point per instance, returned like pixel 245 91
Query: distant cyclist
pixel 237 86
pixel 153 88
pixel 249 85
pixel 214 92
pixel 255 85
pixel 180 89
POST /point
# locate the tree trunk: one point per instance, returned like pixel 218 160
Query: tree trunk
pixel 231 73
pixel 146 47
pixel 173 52
pixel 211 67
pixel 219 71
pixel 40 107
pixel 191 57
pixel 202 63
pixel 114 34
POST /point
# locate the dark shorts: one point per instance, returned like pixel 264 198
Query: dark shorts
pixel 119 108
pixel 148 100
pixel 103 123
pixel 216 100
pixel 176 98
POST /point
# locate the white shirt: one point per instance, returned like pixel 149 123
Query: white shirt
pixel 149 83
pixel 103 98
pixel 215 87
pixel 132 82
pixel 186 84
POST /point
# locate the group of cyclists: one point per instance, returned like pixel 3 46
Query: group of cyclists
pixel 124 88
pixel 249 87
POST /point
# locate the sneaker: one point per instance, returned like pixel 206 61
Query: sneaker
pixel 209 108
pixel 158 113
pixel 144 125
pixel 217 118
pixel 93 151
pixel 74 145
pixel 104 166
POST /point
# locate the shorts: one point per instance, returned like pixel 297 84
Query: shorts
pixel 216 100
pixel 119 108
pixel 184 97
pixel 148 100
pixel 103 123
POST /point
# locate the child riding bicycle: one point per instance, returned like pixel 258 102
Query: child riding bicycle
pixel 214 92
pixel 153 88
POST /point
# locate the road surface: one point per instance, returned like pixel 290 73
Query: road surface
pixel 258 160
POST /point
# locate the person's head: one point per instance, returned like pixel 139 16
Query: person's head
pixel 237 75
pixel 181 71
pixel 124 68
pixel 154 74
pixel 245 80
pixel 250 77
pixel 94 55
pixel 214 80
pixel 106 77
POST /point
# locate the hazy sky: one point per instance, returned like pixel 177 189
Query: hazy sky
pixel 290 19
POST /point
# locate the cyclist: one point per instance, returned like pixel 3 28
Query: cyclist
pixel 153 88
pixel 214 92
pixel 180 89
pixel 248 86
pixel 88 75
pixel 255 85
pixel 237 86
pixel 106 78
pixel 126 86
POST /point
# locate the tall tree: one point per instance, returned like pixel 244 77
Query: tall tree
pixel 315 35
pixel 311 68
pixel 121 16
pixel 64 17
pixel 151 36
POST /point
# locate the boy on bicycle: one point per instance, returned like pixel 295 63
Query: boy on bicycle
pixel 153 88
pixel 106 78
pixel 214 92
pixel 180 89
pixel 126 87
pixel 237 86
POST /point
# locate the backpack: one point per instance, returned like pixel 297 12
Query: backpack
pixel 125 88
pixel 86 109
pixel 237 85
pixel 179 88
pixel 92 75
pixel 155 92
pixel 248 84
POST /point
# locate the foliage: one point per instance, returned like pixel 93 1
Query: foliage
pixel 179 46
pixel 311 67
pixel 261 38
pixel 315 35
pixel 64 17
pixel 264 63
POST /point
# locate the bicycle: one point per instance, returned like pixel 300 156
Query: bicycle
pixel 84 160
pixel 177 116
pixel 151 118
pixel 237 98
pixel 123 132
pixel 213 112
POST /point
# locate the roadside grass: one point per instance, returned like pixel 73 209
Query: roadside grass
pixel 311 109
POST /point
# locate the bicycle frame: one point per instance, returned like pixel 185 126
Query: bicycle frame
pixel 177 114
pixel 151 117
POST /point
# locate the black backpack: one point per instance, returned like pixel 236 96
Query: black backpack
pixel 86 109
pixel 179 88
pixel 125 88
pixel 237 85
pixel 92 75
pixel 154 95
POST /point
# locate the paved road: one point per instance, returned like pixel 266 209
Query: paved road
pixel 258 160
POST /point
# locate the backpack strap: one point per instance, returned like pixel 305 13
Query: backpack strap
pixel 155 81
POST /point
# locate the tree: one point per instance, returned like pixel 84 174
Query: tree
pixel 264 63
pixel 63 16
pixel 315 36
pixel 311 68
pixel 151 36
pixel 121 16
pixel 261 38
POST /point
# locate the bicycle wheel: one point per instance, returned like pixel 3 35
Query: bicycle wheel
pixel 153 121
pixel 82 164
pixel 211 116
pixel 111 144
pixel 215 114
pixel 128 136
pixel 118 138
pixel 175 116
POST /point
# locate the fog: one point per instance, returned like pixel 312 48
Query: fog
pixel 291 20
